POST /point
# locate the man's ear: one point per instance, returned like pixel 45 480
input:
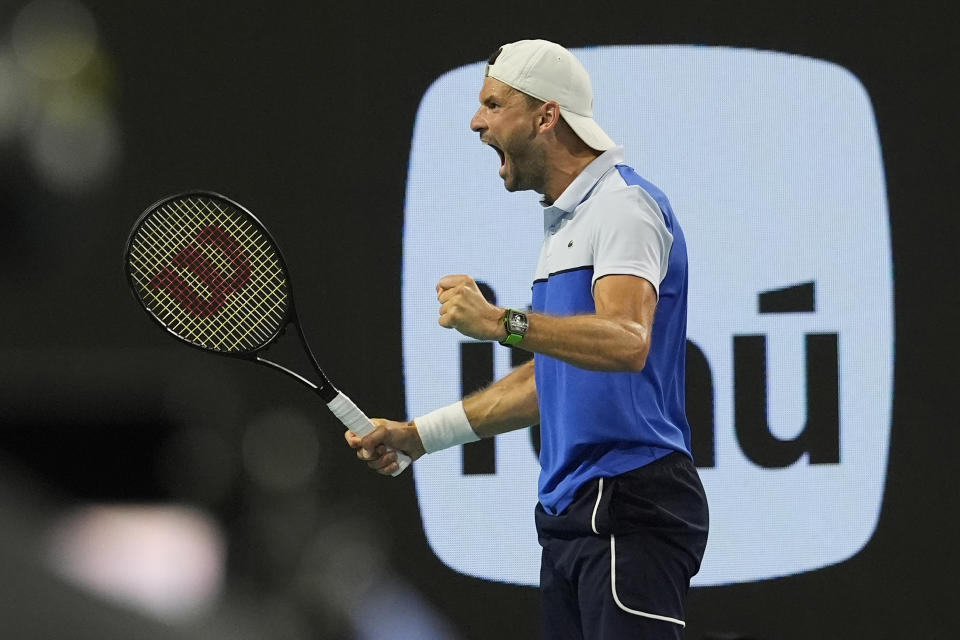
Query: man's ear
pixel 549 115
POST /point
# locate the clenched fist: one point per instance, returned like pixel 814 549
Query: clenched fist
pixel 463 307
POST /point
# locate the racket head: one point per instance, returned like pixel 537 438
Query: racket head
pixel 208 271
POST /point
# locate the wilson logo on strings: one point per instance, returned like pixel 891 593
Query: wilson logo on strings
pixel 193 259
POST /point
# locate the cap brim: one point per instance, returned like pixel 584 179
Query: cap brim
pixel 588 130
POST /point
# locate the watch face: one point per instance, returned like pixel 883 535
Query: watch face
pixel 518 323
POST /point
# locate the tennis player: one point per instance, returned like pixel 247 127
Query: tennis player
pixel 622 515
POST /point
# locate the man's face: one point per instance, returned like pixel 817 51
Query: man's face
pixel 507 122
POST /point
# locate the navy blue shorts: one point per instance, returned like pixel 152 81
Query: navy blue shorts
pixel 617 562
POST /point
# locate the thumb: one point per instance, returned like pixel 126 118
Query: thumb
pixel 380 435
pixel 352 439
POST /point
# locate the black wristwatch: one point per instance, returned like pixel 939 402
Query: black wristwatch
pixel 516 323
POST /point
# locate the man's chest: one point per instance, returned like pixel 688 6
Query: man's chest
pixel 566 246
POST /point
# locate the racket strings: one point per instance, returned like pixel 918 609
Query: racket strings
pixel 209 274
pixel 227 330
pixel 181 284
pixel 231 325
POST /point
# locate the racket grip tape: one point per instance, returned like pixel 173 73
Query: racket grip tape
pixel 358 422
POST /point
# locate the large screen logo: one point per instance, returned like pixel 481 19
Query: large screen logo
pixel 772 163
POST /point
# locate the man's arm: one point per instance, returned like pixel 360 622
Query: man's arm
pixel 615 338
pixel 508 404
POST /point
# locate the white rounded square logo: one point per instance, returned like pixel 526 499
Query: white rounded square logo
pixel 772 164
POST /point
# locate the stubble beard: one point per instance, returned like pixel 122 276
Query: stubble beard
pixel 528 172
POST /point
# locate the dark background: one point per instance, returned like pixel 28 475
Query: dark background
pixel 304 112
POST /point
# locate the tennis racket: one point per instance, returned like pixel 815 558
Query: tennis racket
pixel 206 270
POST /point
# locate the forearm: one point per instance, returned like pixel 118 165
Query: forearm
pixel 615 338
pixel 589 341
pixel 508 404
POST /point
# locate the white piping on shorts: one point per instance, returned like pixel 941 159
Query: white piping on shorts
pixel 616 598
pixel 593 520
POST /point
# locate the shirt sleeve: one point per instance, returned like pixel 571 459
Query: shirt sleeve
pixel 630 237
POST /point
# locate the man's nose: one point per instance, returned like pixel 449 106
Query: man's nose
pixel 477 124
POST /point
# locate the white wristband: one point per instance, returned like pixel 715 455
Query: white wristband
pixel 446 427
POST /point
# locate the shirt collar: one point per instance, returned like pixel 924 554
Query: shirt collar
pixel 578 190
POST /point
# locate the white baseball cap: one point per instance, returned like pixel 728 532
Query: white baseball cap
pixel 547 71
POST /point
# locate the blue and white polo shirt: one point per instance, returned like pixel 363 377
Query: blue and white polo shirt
pixel 600 424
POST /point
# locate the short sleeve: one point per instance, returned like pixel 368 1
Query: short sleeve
pixel 630 237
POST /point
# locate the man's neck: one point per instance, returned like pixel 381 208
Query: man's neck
pixel 564 169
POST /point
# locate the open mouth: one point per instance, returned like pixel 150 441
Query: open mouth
pixel 503 160
pixel 499 151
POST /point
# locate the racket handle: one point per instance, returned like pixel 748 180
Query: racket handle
pixel 358 422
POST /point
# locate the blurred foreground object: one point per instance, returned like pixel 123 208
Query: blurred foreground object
pixel 167 561
pixel 34 603
pixel 55 96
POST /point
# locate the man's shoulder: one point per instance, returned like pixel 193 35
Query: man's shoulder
pixel 615 199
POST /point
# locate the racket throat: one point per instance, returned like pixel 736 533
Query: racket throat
pixel 326 391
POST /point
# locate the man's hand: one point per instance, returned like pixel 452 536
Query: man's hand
pixel 398 436
pixel 463 307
